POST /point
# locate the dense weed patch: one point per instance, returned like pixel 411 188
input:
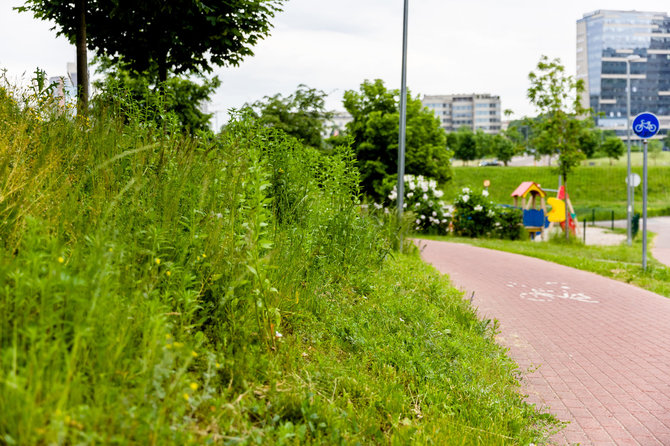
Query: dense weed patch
pixel 163 289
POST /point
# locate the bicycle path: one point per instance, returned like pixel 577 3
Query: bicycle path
pixel 595 352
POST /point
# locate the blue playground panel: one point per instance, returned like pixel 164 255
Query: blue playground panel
pixel 534 218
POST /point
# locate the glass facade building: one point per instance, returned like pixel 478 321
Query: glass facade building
pixel 476 111
pixel 608 41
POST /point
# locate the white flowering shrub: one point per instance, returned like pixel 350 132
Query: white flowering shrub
pixel 423 199
pixel 474 213
pixel 476 216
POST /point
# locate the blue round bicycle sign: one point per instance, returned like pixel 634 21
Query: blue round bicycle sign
pixel 645 125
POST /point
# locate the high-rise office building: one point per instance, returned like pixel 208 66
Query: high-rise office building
pixel 476 111
pixel 609 40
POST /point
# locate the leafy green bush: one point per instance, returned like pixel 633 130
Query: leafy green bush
pixel 474 213
pixel 508 224
pixel 422 198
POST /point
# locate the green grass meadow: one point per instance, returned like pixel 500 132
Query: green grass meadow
pixel 161 289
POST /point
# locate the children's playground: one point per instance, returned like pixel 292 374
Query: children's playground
pixel 544 214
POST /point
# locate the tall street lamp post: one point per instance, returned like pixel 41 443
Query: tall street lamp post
pixel 403 120
pixel 629 186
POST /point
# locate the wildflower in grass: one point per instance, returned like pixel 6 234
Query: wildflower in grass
pixel 203 256
pixel 61 260
pixel 485 193
pixel 279 335
pixel 186 396
pixel 478 208
pixel 158 261
pixel 178 344
pixel 168 273
pixel 217 365
pixel 194 353
pixel 193 386
pixel 465 198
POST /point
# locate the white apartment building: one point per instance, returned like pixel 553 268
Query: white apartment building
pixel 476 111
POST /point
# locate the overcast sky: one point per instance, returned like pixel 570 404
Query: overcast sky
pixel 457 46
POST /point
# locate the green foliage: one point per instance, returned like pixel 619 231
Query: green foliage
pixel 484 143
pixel 178 95
pixel 162 288
pixel 464 145
pixel 423 200
pixel 156 37
pixel 302 114
pixel 588 140
pixel 508 224
pixel 557 97
pixel 654 148
pixel 474 214
pixel 503 148
pixel 613 148
pixel 375 128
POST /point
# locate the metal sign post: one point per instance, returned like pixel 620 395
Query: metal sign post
pixel 644 206
pixel 645 125
pixel 403 122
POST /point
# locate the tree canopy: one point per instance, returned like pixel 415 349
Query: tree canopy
pixel 613 147
pixel 375 128
pixel 557 97
pixel 302 114
pixel 156 37
pixel 464 144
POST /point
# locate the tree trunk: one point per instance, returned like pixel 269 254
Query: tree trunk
pixel 82 60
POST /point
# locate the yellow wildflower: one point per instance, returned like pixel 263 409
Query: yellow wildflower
pixel 168 273
pixel 193 386
pixel 61 260
pixel 194 353
pixel 186 397
pixel 158 261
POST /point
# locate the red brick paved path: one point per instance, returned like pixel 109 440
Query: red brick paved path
pixel 597 351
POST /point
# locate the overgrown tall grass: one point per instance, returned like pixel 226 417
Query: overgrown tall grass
pixel 162 289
